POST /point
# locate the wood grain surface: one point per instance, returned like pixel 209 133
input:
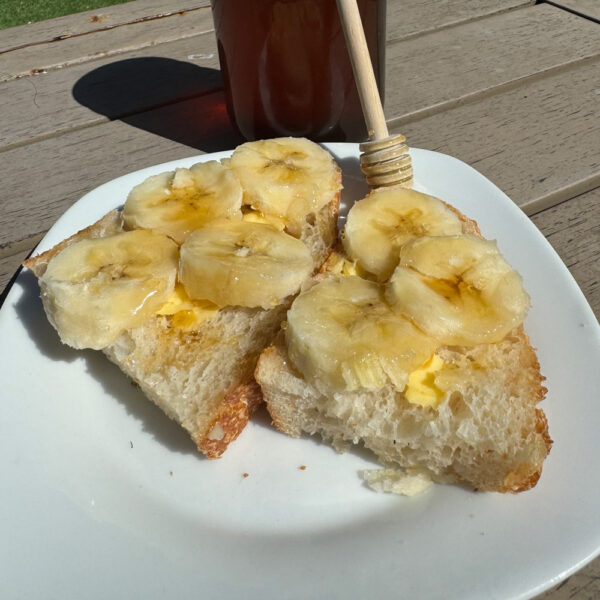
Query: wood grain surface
pixel 511 88
pixel 91 21
pixel 539 142
pixel 421 17
pixel 141 140
pixel 584 585
pixel 585 8
pixel 573 229
pixel 87 94
pixel 425 16
pixel 110 31
pixel 28 60
pixel 55 109
pixel 442 69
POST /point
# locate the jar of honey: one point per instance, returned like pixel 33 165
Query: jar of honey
pixel 286 69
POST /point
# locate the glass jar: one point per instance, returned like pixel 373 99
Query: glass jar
pixel 286 69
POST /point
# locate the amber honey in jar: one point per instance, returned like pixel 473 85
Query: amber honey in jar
pixel 286 68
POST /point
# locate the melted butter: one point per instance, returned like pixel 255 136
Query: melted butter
pixel 338 264
pixel 253 216
pixel 184 311
pixel 421 388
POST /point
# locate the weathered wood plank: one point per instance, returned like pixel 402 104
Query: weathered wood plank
pixel 108 42
pixel 402 19
pixel 41 106
pixel 111 39
pixel 583 585
pixel 433 72
pixel 10 264
pixel 40 181
pixel 539 142
pixel 93 20
pixel 573 229
pixel 83 95
pixel 407 19
pixel 588 8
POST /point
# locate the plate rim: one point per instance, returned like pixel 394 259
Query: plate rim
pixel 581 300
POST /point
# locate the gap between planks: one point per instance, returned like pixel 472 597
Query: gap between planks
pixel 498 10
pixel 478 95
pixel 90 94
pixel 68 36
pixel 420 18
pixel 114 41
pixel 531 121
pixel 100 120
pixel 538 142
pixel 591 11
pixel 420 108
pixel 481 59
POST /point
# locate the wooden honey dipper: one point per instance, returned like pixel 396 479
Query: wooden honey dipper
pixel 384 160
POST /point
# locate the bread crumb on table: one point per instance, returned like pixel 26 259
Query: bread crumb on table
pixel 302 467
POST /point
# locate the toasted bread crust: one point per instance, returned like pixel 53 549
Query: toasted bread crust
pixel 266 357
pixel 468 225
pixel 233 415
pixel 527 476
pixel 109 224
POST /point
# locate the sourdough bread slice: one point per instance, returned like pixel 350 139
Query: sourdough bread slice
pixel 486 430
pixel 201 376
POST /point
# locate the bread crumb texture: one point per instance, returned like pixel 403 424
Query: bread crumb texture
pixel 486 431
pixel 194 375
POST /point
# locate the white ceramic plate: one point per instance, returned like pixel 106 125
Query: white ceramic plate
pixel 104 497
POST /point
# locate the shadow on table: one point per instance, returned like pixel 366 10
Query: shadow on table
pixel 174 99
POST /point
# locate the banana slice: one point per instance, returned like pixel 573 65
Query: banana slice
pixel 378 225
pixel 95 289
pixel 341 335
pixel 178 202
pixel 288 178
pixel 243 264
pixel 458 289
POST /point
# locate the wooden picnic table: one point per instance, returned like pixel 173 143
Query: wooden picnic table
pixel 511 88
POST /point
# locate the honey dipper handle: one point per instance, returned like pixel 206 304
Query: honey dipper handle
pixel 363 69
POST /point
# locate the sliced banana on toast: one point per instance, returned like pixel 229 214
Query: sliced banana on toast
pixel 288 178
pixel 446 288
pixel 341 335
pixel 95 289
pixel 458 289
pixel 178 202
pixel 378 225
pixel 243 264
